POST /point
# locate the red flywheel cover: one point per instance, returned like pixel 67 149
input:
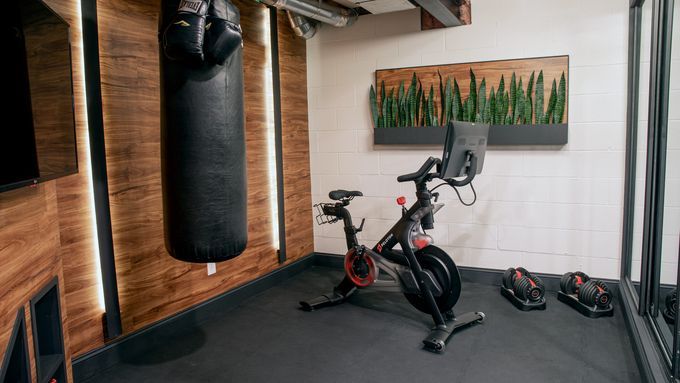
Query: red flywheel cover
pixel 365 278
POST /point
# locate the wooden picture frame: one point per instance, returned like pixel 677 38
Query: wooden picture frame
pixel 543 132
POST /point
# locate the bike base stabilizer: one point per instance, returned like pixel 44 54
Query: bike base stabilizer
pixel 339 295
pixel 438 337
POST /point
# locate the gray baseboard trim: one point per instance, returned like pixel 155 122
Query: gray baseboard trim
pixel 328 260
pixel 138 342
pixel 471 274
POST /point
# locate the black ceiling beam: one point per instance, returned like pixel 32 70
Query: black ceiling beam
pixel 440 11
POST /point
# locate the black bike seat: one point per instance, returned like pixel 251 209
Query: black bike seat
pixel 340 194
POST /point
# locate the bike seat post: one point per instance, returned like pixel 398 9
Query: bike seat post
pixel 339 210
pixel 350 232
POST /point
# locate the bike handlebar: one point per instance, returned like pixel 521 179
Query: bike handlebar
pixel 421 173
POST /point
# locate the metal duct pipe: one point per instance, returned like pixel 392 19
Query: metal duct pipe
pixel 317 10
pixel 302 26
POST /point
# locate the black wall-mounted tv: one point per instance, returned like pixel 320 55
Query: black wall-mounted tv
pixel 37 132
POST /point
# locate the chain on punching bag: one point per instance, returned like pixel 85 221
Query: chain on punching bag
pixel 202 130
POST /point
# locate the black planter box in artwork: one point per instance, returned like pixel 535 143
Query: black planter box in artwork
pixel 540 134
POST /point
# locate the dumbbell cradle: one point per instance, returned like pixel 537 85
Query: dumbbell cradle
pixel 524 290
pixel 590 297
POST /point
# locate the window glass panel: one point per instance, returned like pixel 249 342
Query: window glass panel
pixel 641 159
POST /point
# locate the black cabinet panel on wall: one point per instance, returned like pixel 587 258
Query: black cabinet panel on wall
pixel 15 366
pixel 48 338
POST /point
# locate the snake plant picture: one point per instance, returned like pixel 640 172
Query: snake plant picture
pixel 523 102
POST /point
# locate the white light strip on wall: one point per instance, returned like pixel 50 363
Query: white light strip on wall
pixel 271 138
pixel 86 138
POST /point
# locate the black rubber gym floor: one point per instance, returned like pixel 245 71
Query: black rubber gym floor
pixel 377 337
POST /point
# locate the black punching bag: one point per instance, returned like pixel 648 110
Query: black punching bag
pixel 202 142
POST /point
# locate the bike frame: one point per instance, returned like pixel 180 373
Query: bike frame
pixel 402 266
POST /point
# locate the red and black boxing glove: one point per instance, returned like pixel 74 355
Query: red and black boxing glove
pixel 222 32
pixel 183 36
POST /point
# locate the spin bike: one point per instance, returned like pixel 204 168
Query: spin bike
pixel 424 273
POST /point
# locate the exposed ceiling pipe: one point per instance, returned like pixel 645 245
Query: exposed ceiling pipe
pixel 317 10
pixel 302 26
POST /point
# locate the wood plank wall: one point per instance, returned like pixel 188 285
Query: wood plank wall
pixel 47 229
pixel 152 285
pixel 297 181
pixel 29 250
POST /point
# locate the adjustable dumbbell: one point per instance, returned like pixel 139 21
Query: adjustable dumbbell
pixel 524 285
pixel 529 288
pixel 570 283
pixel 594 293
pixel 512 274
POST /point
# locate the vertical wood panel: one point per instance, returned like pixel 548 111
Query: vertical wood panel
pixel 77 240
pixel 48 226
pixel 296 173
pixel 152 285
pixel 29 251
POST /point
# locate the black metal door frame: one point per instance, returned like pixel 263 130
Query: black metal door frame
pixel 634 31
pixel 656 362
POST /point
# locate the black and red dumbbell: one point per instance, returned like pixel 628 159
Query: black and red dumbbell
pixel 590 292
pixel 524 285
pixel 595 293
pixel 572 282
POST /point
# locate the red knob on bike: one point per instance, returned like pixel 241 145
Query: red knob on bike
pixel 401 201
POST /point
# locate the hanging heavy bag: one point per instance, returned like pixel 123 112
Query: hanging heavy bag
pixel 183 35
pixel 203 154
pixel 222 36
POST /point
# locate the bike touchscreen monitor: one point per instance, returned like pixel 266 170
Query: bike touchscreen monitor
pixel 462 138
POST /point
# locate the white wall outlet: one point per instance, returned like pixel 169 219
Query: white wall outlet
pixel 212 268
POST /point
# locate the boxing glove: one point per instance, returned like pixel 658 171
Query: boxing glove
pixel 222 32
pixel 184 34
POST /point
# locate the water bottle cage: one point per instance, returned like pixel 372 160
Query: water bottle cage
pixel 321 216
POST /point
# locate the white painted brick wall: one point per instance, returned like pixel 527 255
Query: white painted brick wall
pixel 548 210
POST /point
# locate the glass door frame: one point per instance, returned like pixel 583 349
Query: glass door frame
pixel 641 310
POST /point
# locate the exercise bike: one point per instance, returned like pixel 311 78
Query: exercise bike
pixel 424 273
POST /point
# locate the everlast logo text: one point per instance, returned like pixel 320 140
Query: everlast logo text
pixel 190 6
